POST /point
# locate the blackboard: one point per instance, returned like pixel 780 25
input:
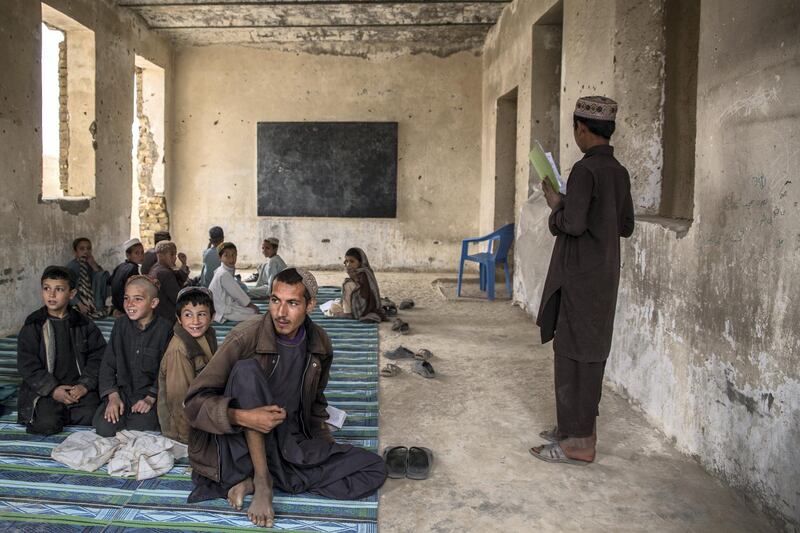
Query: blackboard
pixel 327 169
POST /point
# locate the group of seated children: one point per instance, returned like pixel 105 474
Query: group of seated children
pixel 250 421
pixel 71 376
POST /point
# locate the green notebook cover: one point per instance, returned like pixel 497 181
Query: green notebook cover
pixel 543 167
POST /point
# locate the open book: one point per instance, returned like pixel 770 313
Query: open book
pixel 546 167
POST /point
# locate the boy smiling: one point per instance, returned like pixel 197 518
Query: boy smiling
pixel 128 381
pixel 191 348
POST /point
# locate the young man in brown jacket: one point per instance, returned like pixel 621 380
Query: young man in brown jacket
pixel 258 412
pixel 580 293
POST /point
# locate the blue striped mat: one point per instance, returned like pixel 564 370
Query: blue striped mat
pixel 39 494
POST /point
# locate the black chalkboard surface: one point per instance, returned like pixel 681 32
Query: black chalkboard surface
pixel 327 169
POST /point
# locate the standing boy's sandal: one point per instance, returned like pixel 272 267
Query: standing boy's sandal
pixel 390 370
pixel 424 369
pixel 552 453
pixel 423 354
pixel 401 352
pixel 420 461
pixel 396 459
pixel 552 435
pixel 406 304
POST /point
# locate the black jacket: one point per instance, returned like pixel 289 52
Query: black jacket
pixel 88 346
pixel 118 279
pixel 132 359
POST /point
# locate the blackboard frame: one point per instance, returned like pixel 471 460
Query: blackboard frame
pixel 327 169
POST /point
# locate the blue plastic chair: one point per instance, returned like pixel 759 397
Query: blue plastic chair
pixel 499 242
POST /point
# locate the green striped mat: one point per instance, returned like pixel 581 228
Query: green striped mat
pixel 39 494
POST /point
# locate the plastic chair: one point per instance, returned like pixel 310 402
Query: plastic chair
pixel 500 240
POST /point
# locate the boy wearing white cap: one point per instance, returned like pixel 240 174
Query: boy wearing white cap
pixel 268 270
pixel 134 255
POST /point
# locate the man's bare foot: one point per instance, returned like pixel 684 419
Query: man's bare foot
pixel 237 493
pixel 260 511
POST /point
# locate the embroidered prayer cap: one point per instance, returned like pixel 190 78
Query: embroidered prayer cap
pixel 596 108
pixel 216 233
pixel 309 281
pixel 130 243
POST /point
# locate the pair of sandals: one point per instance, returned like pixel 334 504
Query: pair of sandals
pixel 412 463
pixel 421 364
pixel 401 326
pixel 552 452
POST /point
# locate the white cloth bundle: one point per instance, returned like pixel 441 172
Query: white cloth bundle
pixel 128 454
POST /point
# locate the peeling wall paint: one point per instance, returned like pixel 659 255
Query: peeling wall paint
pixel 39 233
pixel 707 335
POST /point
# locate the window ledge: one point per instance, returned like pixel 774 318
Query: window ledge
pixel 74 205
pixel 680 226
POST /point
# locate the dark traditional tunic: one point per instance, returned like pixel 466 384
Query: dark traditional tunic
pixel 580 293
pixel 296 462
pixel 118 280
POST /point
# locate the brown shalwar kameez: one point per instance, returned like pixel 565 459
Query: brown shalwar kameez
pixel 580 293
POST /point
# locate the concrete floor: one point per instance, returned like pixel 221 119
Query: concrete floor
pixel 492 396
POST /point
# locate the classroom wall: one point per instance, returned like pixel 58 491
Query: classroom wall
pixel 222 92
pixel 38 233
pixel 707 338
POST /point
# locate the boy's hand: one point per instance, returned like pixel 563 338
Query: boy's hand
pixel 144 405
pixel 552 197
pixel 61 394
pixel 182 258
pixel 114 409
pixel 254 307
pixel 77 392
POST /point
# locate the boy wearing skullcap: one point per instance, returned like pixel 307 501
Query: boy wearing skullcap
pixel 268 270
pixel 580 292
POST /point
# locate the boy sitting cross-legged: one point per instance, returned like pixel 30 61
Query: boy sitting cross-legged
pixel 192 346
pixel 128 382
pixel 58 356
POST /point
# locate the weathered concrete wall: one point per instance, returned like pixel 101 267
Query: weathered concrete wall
pixel 38 234
pixel 706 338
pixel 221 92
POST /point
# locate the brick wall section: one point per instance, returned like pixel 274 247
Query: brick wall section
pixel 63 118
pixel 153 214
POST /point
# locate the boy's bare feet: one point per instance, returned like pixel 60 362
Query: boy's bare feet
pixel 237 493
pixel 260 511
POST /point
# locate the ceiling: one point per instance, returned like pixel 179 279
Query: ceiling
pixel 335 26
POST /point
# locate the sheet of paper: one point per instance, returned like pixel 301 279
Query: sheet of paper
pixel 544 167
pixel 562 188
pixel 336 417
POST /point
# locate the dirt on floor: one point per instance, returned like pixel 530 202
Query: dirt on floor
pixel 492 394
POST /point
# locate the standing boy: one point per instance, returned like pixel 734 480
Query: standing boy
pixel 258 412
pixel 267 271
pixel 58 357
pixel 134 255
pixel 92 280
pixel 580 292
pixel 211 256
pixel 191 348
pixel 128 381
